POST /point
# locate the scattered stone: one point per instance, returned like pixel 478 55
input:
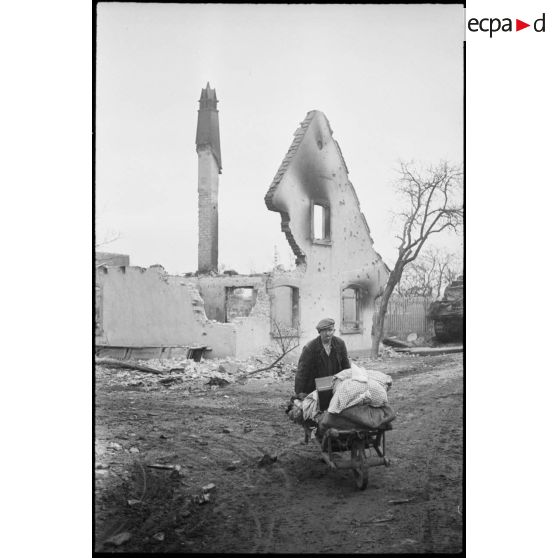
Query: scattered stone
pixel 171 380
pixel 114 446
pixel 230 467
pixel 119 539
pixel 208 487
pixel 134 502
pixel 101 474
pixel 162 466
pixel 226 431
pixel 163 437
pixel 215 381
pixel 101 466
pixel 159 536
pixel 201 498
pixel 247 429
pixel 134 450
pixel 267 460
pixel 228 368
pixel 385 519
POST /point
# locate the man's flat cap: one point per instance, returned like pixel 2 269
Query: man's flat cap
pixel 325 324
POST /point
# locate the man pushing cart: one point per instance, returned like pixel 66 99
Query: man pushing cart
pixel 345 406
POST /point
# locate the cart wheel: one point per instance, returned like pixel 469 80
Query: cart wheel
pixel 361 472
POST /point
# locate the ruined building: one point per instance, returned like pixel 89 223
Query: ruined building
pixel 337 274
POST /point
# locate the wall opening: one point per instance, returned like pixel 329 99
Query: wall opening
pixel 321 222
pixel 351 310
pixel 239 302
pixel 285 309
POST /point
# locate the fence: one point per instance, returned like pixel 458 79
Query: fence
pixel 407 315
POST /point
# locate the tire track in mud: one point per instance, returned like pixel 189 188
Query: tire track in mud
pixel 442 515
pixel 268 484
pixel 422 403
pixel 297 504
pixel 430 420
pixel 261 486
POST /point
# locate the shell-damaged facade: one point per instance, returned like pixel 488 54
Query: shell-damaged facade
pixel 338 272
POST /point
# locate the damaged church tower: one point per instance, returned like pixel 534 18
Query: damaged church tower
pixel 209 168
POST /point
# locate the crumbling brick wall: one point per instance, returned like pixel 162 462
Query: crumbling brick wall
pixel 149 308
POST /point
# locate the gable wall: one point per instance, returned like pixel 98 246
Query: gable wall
pixel 320 174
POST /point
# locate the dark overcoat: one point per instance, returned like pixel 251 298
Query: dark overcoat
pixel 312 363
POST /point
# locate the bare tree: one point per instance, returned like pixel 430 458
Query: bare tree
pixel 433 202
pixel 286 338
pixel 100 259
pixel 112 237
pixel 430 273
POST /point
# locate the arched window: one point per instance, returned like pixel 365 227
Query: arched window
pixel 351 310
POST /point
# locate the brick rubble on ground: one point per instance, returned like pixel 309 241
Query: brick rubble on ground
pixel 181 374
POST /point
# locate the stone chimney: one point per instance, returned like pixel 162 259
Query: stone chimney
pixel 209 168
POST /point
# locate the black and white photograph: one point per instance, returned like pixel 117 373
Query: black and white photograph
pixel 279 278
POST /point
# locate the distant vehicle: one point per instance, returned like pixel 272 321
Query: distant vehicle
pixel 447 314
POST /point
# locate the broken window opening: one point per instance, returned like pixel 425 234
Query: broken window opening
pixel 285 311
pixel 321 222
pixel 239 302
pixel 351 311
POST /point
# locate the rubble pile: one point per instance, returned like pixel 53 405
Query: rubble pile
pixel 388 352
pixel 181 374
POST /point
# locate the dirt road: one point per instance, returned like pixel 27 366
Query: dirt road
pixel 293 504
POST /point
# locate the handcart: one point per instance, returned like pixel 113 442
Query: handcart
pixel 352 449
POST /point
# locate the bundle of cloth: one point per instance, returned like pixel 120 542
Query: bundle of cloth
pixel 359 400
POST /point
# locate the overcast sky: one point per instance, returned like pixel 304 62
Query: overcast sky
pixel 388 78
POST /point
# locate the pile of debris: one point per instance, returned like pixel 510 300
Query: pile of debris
pixel 179 373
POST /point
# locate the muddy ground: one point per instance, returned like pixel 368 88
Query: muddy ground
pixel 295 504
